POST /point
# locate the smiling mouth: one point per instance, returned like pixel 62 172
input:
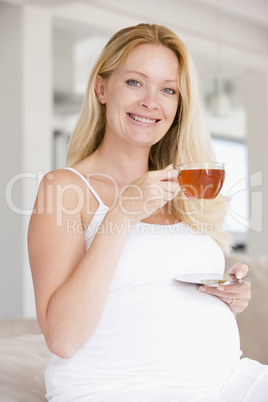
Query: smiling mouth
pixel 143 119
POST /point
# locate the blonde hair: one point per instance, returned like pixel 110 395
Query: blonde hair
pixel 187 140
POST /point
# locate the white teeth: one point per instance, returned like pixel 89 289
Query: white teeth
pixel 142 119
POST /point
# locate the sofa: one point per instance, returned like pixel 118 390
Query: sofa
pixel 24 355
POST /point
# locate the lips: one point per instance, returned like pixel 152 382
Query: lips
pixel 142 119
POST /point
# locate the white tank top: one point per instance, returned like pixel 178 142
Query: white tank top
pixel 154 330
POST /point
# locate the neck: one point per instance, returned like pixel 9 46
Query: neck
pixel 124 164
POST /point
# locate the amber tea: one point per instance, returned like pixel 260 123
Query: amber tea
pixel 201 180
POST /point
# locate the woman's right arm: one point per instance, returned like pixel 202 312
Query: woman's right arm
pixel 71 286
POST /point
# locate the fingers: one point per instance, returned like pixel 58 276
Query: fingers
pixel 239 270
pixel 164 174
pixel 236 297
pixel 169 189
pixel 239 302
pixel 167 180
pixel 229 292
pixel 157 195
pixel 148 193
pixel 234 290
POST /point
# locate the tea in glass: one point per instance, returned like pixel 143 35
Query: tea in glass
pixel 201 180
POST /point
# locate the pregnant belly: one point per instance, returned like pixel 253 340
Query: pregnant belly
pixel 166 333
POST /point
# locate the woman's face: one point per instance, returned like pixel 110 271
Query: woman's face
pixel 141 95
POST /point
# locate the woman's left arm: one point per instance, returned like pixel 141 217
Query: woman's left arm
pixel 236 296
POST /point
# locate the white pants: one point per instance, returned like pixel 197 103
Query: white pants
pixel 247 383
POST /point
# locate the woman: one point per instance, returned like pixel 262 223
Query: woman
pixel 109 233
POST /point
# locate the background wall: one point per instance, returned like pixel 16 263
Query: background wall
pixel 47 49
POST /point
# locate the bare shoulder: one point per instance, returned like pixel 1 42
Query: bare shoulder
pixel 60 177
pixel 52 234
pixel 64 190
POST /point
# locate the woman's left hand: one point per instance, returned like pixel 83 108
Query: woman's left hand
pixel 235 296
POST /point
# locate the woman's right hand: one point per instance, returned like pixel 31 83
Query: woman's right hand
pixel 148 193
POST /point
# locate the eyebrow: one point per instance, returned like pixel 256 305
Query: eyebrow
pixel 146 76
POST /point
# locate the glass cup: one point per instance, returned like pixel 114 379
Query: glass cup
pixel 201 180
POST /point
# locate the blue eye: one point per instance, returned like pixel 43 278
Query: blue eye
pixel 133 83
pixel 169 91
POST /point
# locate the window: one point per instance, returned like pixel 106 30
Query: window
pixel 234 154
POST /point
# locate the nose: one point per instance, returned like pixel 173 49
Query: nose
pixel 149 101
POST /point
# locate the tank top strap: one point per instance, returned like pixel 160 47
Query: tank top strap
pixel 87 183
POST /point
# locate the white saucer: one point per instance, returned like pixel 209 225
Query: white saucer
pixel 212 280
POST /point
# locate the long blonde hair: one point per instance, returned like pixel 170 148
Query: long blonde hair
pixel 187 140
